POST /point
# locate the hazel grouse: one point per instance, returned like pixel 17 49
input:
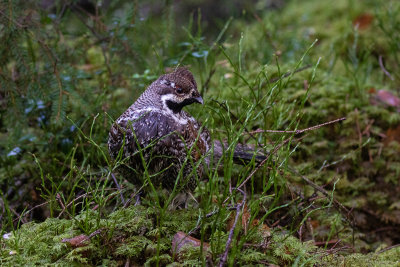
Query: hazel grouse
pixel 159 138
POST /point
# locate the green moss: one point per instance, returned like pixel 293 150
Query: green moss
pixel 125 233
pixel 387 258
pixel 54 68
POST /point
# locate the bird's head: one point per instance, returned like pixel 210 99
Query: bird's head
pixel 178 89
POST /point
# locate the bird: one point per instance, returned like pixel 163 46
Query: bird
pixel 157 138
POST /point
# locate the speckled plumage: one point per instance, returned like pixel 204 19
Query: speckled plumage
pixel 169 139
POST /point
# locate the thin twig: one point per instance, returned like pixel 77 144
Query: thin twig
pixel 18 215
pixel 207 82
pixel 14 21
pixel 358 129
pixel 336 203
pixel 98 231
pixel 81 196
pixel 279 220
pixel 78 9
pixel 37 206
pixel 70 203
pixel 383 68
pixel 323 243
pixel 287 74
pixel 265 160
pixel 118 187
pixel 58 197
pixel 334 251
pixel 388 248
pixel 255 170
pixel 229 241
pixel 299 131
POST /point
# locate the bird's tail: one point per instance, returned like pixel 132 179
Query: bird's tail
pixel 243 154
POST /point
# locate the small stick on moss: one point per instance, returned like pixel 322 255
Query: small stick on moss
pixel 358 128
pixel 388 248
pixel 384 69
pixel 81 196
pixel 58 197
pixel 299 131
pixel 265 160
pixel 283 143
pixel 336 203
pixel 19 216
pixel 72 202
pixel 229 241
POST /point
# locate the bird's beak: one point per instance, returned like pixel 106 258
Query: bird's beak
pixel 199 100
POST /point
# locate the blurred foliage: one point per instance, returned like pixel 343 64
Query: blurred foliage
pixel 68 68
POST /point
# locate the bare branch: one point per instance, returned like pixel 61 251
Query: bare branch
pixel 299 131
pixel 336 203
pixel 229 241
pixel 265 160
pixel 383 68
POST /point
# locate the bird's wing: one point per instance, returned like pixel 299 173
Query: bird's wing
pixel 145 130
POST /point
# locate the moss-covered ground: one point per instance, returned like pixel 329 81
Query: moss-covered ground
pixel 269 71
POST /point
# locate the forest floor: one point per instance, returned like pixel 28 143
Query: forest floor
pixel 314 85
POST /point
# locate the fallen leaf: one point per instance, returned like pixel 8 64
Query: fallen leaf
pixel 363 21
pixel 386 98
pixel 392 134
pixel 77 241
pixel 314 223
pixel 181 240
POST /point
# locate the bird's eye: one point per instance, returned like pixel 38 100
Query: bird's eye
pixel 179 90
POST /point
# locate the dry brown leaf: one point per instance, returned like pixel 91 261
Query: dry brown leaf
pixel 77 241
pixel 392 134
pixel 314 223
pixel 181 239
pixel 363 21
pixel 386 98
